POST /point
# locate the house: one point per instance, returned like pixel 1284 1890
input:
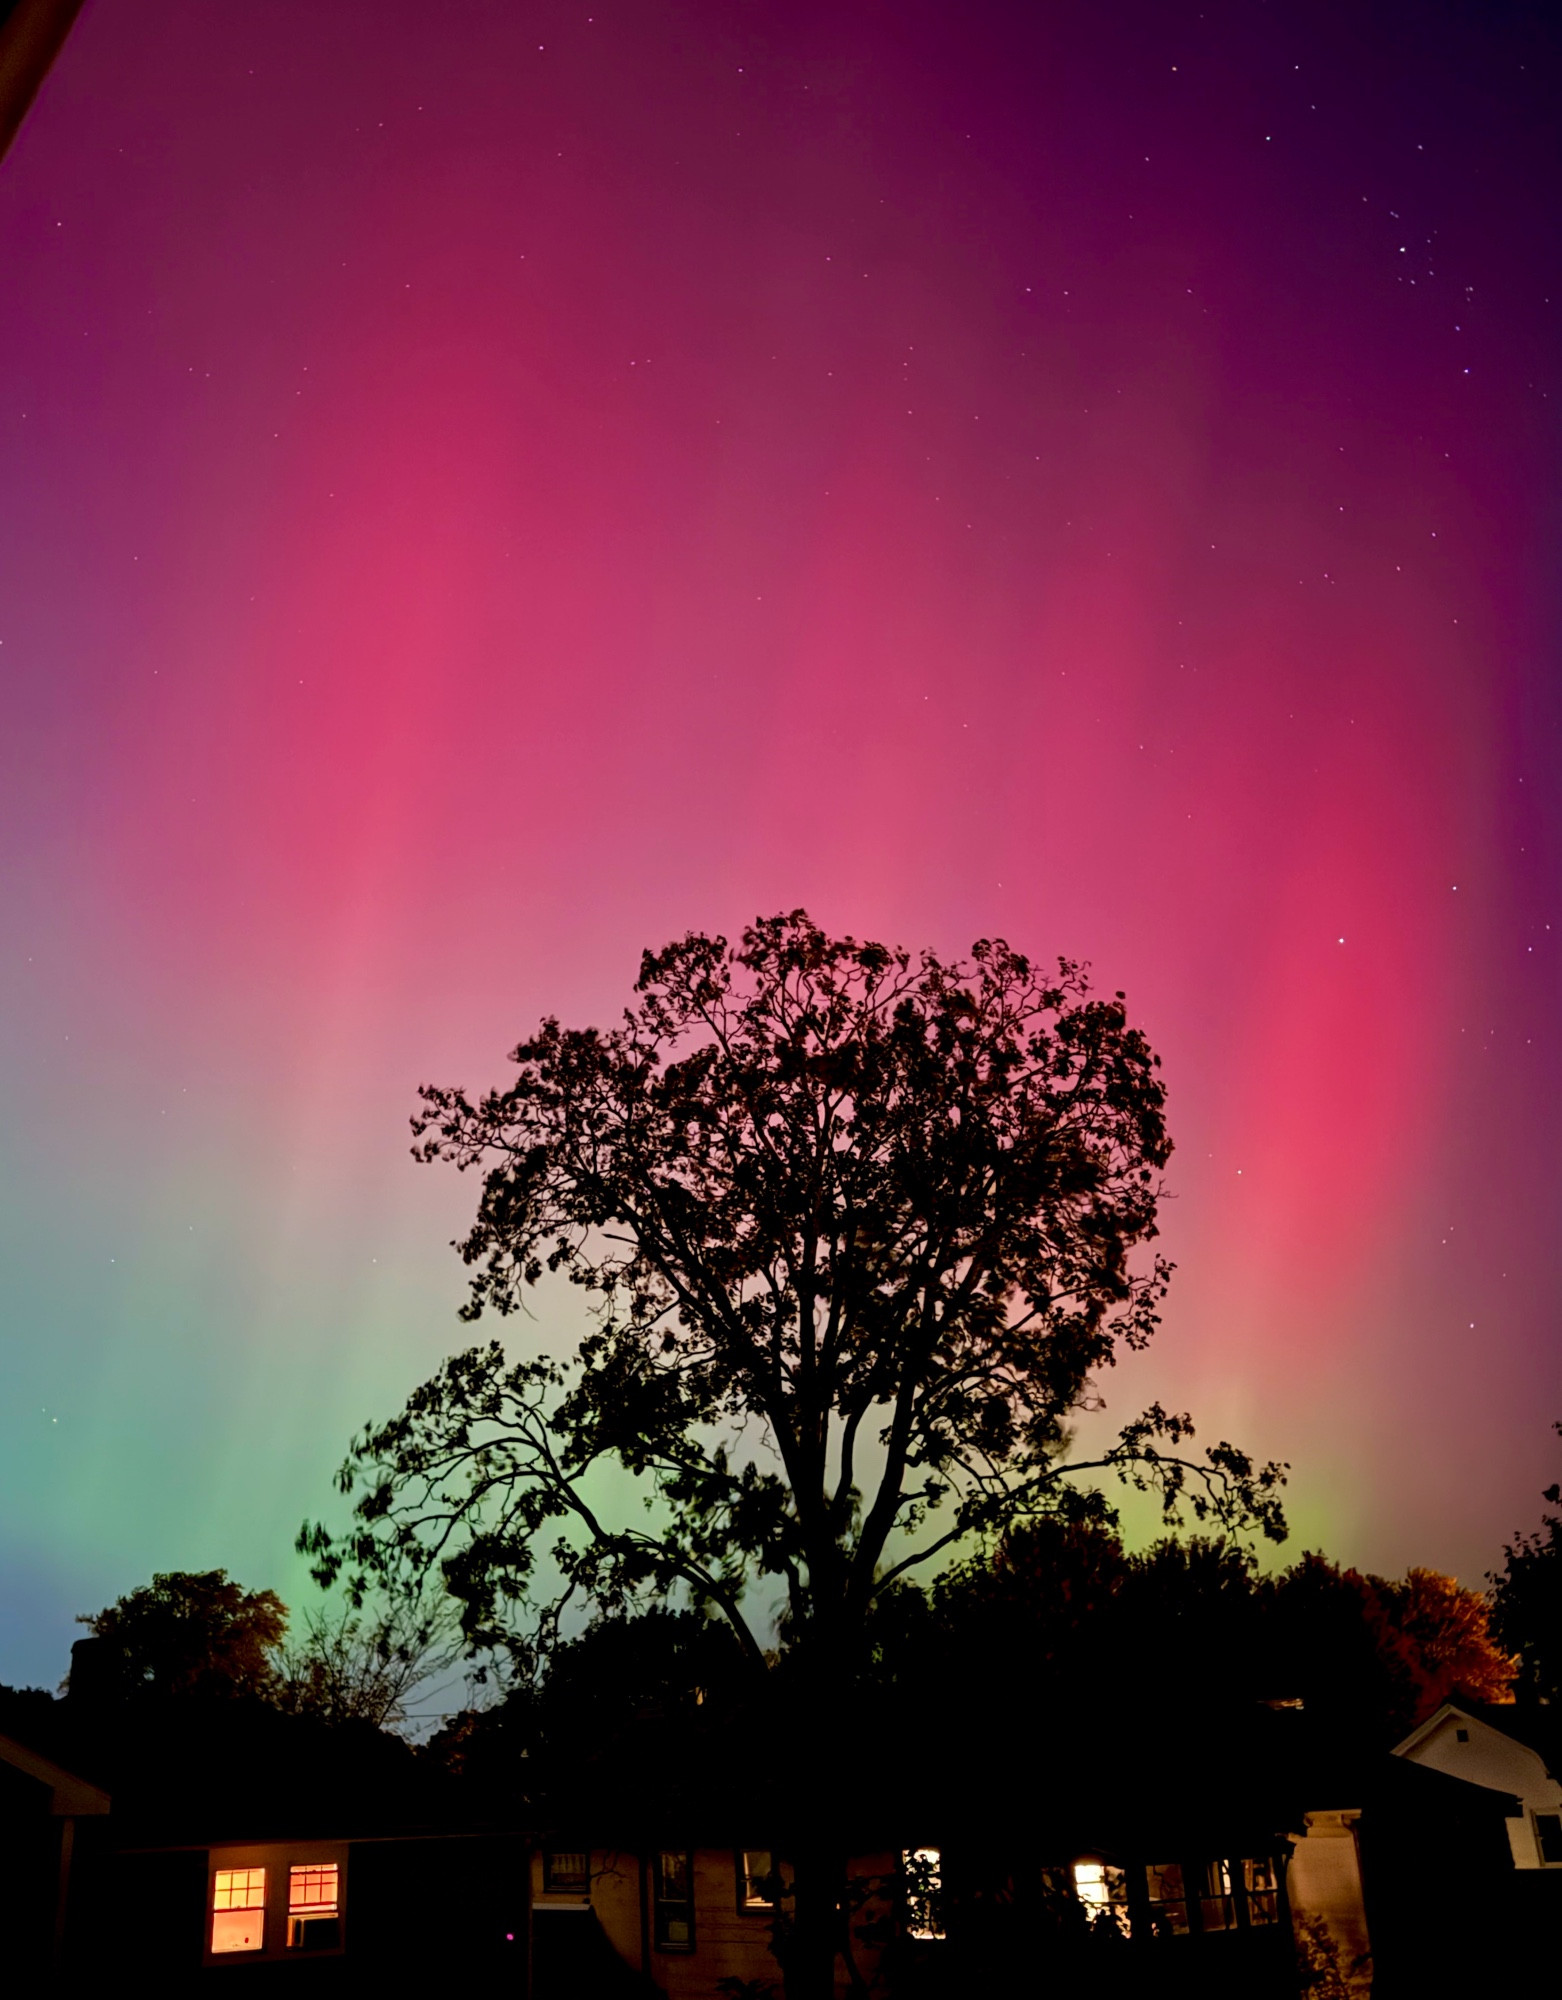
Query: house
pixel 1460 1858
pixel 1507 1749
pixel 1164 1857
pixel 247 1844
pixel 1167 1855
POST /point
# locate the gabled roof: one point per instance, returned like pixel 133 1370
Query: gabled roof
pixel 1409 1746
pixel 70 1797
pixel 1537 1728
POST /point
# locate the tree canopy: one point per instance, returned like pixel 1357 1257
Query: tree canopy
pixel 189 1633
pixel 1527 1602
pixel 860 1231
pixel 1063 1611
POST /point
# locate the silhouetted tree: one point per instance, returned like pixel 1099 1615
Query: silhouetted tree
pixel 189 1633
pixel 363 1667
pixel 1062 1612
pixel 859 1231
pixel 1526 1600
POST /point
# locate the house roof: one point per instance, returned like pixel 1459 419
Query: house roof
pixel 199 1773
pixel 69 1796
pixel 1536 1725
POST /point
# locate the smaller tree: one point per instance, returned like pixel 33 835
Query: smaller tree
pixel 189 1633
pixel 364 1667
pixel 1526 1603
pixel 1445 1632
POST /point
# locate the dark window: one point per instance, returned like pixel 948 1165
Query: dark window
pixel 1461 1736
pixel 674 1884
pixel 1548 1831
pixel 756 1880
pixel 1217 1906
pixel 1168 1899
pixel 565 1874
pixel 1261 1888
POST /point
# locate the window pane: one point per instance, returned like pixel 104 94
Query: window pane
pixel 1216 1905
pixel 238 1930
pixel 239 1889
pixel 566 1874
pixel 673 1875
pixel 312 1890
pixel 1103 1890
pixel 1548 1831
pixel 1168 1899
pixel 1262 1887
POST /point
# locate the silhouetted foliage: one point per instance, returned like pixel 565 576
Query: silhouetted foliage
pixel 1526 1598
pixel 189 1633
pixel 363 1667
pixel 859 1231
pixel 624 1695
pixel 1061 1611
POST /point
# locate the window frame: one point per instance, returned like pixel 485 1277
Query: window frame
pixel 216 1887
pixel 764 1904
pixel 667 1910
pixel 1155 1904
pixel 1113 1908
pixel 275 1862
pixel 921 1901
pixel 1541 1855
pixel 557 1883
pixel 302 1915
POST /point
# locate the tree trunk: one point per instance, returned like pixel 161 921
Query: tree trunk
pixel 817 1838
pixel 814 1943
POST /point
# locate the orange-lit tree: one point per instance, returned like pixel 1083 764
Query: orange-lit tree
pixel 858 1230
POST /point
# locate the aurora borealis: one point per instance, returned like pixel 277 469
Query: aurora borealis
pixel 487 488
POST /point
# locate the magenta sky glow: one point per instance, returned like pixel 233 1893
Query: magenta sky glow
pixel 488 488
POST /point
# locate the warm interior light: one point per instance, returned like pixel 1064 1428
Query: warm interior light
pixel 312 1907
pixel 758 1880
pixel 311 1891
pixel 1103 1890
pixel 923 1868
pixel 1168 1894
pixel 1263 1891
pixel 239 1909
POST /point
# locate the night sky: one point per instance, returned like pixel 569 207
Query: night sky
pixel 485 488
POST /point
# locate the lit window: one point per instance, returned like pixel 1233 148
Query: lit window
pixel 923 1869
pixel 1103 1890
pixel 1168 1893
pixel 1548 1837
pixel 566 1874
pixel 674 1885
pixel 1217 1907
pixel 756 1880
pixel 1262 1888
pixel 313 1914
pixel 239 1909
